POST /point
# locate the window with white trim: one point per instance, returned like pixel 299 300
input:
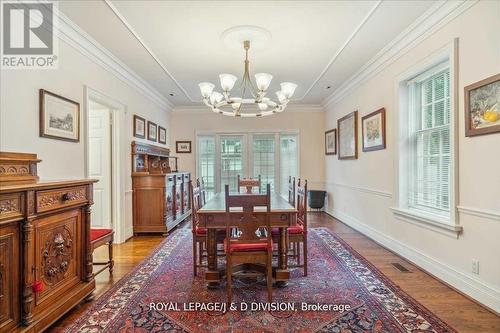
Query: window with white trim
pixel 430 152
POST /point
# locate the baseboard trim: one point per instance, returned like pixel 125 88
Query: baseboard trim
pixel 485 295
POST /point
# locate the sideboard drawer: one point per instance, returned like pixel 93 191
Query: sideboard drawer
pixel 11 206
pixel 58 198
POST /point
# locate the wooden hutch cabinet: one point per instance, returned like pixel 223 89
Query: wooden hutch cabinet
pixel 160 192
pixel 45 255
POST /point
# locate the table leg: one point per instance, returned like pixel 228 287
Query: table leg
pixel 212 275
pixel 282 273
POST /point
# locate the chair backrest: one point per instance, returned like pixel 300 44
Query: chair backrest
pixel 195 196
pixel 302 205
pixel 249 227
pixel 291 190
pixel 201 184
pixel 249 184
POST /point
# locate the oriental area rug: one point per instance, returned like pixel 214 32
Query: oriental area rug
pixel 343 292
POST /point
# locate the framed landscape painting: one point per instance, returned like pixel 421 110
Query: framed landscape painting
pixel 373 130
pixel 162 135
pixel 152 131
pixel 347 128
pixel 139 127
pixel 59 117
pixel 482 107
pixel 331 142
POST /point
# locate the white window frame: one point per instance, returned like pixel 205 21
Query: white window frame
pixel 448 225
pixel 248 150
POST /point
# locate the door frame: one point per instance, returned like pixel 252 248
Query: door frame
pixel 118 113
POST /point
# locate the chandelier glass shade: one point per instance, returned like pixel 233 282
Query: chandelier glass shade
pixel 252 100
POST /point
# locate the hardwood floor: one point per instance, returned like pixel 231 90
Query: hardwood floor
pixel 457 310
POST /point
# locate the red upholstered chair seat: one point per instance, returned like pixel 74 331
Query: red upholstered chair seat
pixel 98 233
pixel 200 231
pixel 247 247
pixel 296 229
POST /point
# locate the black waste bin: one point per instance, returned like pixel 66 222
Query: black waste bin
pixel 316 199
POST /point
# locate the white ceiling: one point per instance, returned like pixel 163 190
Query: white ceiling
pixel 174 45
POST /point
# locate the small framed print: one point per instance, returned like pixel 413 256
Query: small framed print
pixel 482 107
pixel 183 147
pixel 331 142
pixel 152 131
pixel 373 130
pixel 162 135
pixel 59 117
pixel 347 128
pixel 139 127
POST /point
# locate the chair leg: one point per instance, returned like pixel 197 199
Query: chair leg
pixel 298 253
pixel 305 254
pixel 200 252
pixel 110 254
pixel 269 278
pixel 229 273
pixel 195 256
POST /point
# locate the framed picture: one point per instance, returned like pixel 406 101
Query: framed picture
pixel 482 107
pixel 373 130
pixel 152 131
pixel 183 147
pixel 162 135
pixel 139 127
pixel 347 127
pixel 331 142
pixel 59 117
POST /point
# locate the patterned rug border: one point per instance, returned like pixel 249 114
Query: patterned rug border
pixel 177 235
pixel 386 280
pixel 173 236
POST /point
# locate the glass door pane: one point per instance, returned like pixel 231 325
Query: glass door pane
pixel 232 160
pixel 206 163
pixel 289 163
pixel 263 159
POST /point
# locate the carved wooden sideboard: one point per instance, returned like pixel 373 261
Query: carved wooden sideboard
pixel 160 193
pixel 45 257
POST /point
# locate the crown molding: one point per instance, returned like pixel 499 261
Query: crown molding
pixel 146 47
pixel 440 14
pixel 204 109
pixel 341 49
pixel 72 34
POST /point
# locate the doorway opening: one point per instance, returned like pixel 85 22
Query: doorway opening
pixel 104 157
pixel 100 136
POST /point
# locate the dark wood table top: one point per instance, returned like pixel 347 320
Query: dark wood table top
pixel 218 205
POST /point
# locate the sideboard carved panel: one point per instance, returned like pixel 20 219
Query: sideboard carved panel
pixel 56 245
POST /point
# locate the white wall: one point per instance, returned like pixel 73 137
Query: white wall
pixel 19 114
pixel 362 191
pixel 310 124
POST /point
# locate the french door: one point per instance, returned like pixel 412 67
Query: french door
pixel 221 157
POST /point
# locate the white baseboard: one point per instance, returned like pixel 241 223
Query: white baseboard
pixel 478 290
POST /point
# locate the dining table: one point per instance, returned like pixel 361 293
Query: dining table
pixel 213 217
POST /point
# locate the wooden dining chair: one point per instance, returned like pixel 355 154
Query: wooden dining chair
pixel 297 235
pixel 199 233
pixel 252 241
pixel 201 184
pixel 249 184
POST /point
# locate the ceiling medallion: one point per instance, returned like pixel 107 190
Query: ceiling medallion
pixel 251 101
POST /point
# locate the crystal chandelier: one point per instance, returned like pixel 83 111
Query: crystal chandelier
pixel 251 102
